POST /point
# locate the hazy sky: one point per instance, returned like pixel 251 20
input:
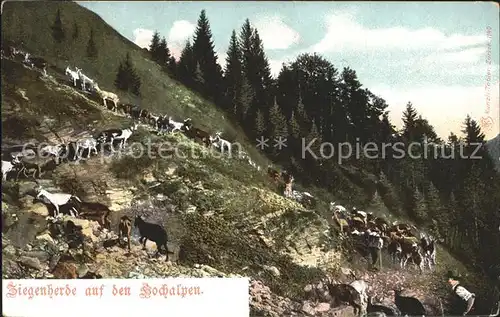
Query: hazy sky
pixel 436 55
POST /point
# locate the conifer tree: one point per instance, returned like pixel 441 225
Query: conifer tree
pixel 127 78
pixel 199 76
pixel 154 46
pixel 233 76
pixel 204 54
pixel 172 66
pixel 163 53
pixel 260 124
pixel 246 98
pixel 91 46
pixel 57 28
pixel 187 65
pixel 419 207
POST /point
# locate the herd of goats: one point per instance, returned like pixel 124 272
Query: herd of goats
pixel 364 228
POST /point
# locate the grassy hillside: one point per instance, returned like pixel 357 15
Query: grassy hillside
pixel 29 25
pixel 218 211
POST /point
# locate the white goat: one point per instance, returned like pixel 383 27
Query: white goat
pixel 84 79
pixel 176 126
pixel 125 135
pixel 58 200
pixel 86 144
pixel 6 168
pixel 54 150
pixel 106 95
pixel 222 144
pixel 337 208
pixel 73 75
pixel 362 288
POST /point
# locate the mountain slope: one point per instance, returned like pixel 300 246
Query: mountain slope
pixel 493 146
pixel 32 23
pixel 218 211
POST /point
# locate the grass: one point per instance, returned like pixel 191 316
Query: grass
pixel 31 21
pixel 232 199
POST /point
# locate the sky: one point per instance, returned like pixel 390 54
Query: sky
pixel 441 56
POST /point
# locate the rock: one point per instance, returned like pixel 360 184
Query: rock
pixel 39 209
pixel 272 269
pixel 84 223
pixel 82 270
pixel 171 169
pixel 346 271
pixel 45 237
pixel 8 250
pixel 33 263
pixel 190 209
pixel 37 254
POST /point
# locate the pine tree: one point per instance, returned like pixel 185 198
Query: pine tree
pixel 187 65
pixel 294 127
pixel 315 147
pixel 163 53
pixel 246 98
pixel 233 76
pixel 76 31
pixel 419 207
pixel 154 46
pixel 127 78
pixel 57 28
pixel 204 54
pixel 277 122
pixel 410 117
pixel 260 124
pixel 172 66
pixel 91 46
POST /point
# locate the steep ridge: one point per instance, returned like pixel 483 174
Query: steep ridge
pixel 224 217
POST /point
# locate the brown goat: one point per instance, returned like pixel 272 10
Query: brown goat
pixel 124 229
pixel 198 134
pixel 97 212
pixel 274 174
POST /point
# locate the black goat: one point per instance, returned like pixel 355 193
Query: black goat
pixel 347 294
pixel 97 212
pixel 408 305
pixel 387 311
pixel 74 235
pixel 153 232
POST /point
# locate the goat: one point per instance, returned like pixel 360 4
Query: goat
pixel 37 62
pixel 96 211
pixel 38 164
pixel 56 151
pixel 154 120
pixel 7 167
pixel 106 95
pixel 198 134
pixel 395 251
pixel 222 144
pixel 89 144
pixel 274 174
pixel 125 108
pixel 124 229
pixel 153 232
pixel 116 134
pixel 412 253
pixel 74 235
pixel 347 294
pixel 58 200
pixel 288 179
pixel 84 79
pixel 177 126
pixel 339 208
pixel 362 288
pixel 73 75
pixel 388 311
pixel 429 250
pixel 408 305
